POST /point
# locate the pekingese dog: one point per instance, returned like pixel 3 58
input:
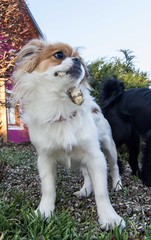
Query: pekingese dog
pixel 65 124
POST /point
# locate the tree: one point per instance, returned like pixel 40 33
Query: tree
pixel 128 60
pixel 17 28
pixel 123 69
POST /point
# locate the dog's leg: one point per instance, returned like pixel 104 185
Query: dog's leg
pixel 86 189
pixel 133 145
pixel 97 168
pixel 109 148
pixel 47 172
pixel 146 162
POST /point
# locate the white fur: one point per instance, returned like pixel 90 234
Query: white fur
pixel 109 149
pixel 73 142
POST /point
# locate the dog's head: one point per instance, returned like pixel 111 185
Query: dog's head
pixel 59 60
pixel 58 67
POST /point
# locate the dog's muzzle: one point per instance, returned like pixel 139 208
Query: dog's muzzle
pixel 74 71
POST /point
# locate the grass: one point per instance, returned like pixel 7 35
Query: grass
pixel 18 222
pixel 23 224
pixel 74 219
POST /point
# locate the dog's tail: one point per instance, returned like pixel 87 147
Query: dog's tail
pixel 111 91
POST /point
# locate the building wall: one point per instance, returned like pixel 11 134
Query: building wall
pixel 3 115
pixel 18 27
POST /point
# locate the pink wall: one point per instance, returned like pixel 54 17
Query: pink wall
pixel 18 136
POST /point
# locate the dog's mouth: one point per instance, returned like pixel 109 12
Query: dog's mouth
pixel 73 72
pixel 60 73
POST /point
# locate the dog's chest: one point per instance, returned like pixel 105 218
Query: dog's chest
pixel 70 160
pixel 58 135
pixel 63 138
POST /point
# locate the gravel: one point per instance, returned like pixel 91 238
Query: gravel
pixel 133 202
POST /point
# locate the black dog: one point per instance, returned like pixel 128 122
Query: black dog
pixel 129 114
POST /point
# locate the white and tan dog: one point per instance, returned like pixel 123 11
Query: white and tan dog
pixel 65 124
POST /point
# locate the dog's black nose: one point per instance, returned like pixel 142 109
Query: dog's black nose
pixel 76 61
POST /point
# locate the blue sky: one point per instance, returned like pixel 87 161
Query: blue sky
pixel 100 27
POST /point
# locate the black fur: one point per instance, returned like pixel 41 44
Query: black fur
pixel 129 114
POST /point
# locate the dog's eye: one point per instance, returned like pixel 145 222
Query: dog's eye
pixel 59 55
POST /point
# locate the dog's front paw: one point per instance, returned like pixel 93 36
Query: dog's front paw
pixel 44 211
pixel 45 214
pixel 111 222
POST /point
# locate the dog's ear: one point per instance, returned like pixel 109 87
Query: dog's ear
pixel 29 56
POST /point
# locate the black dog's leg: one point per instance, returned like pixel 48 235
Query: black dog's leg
pixel 120 165
pixel 133 145
pixel 146 163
